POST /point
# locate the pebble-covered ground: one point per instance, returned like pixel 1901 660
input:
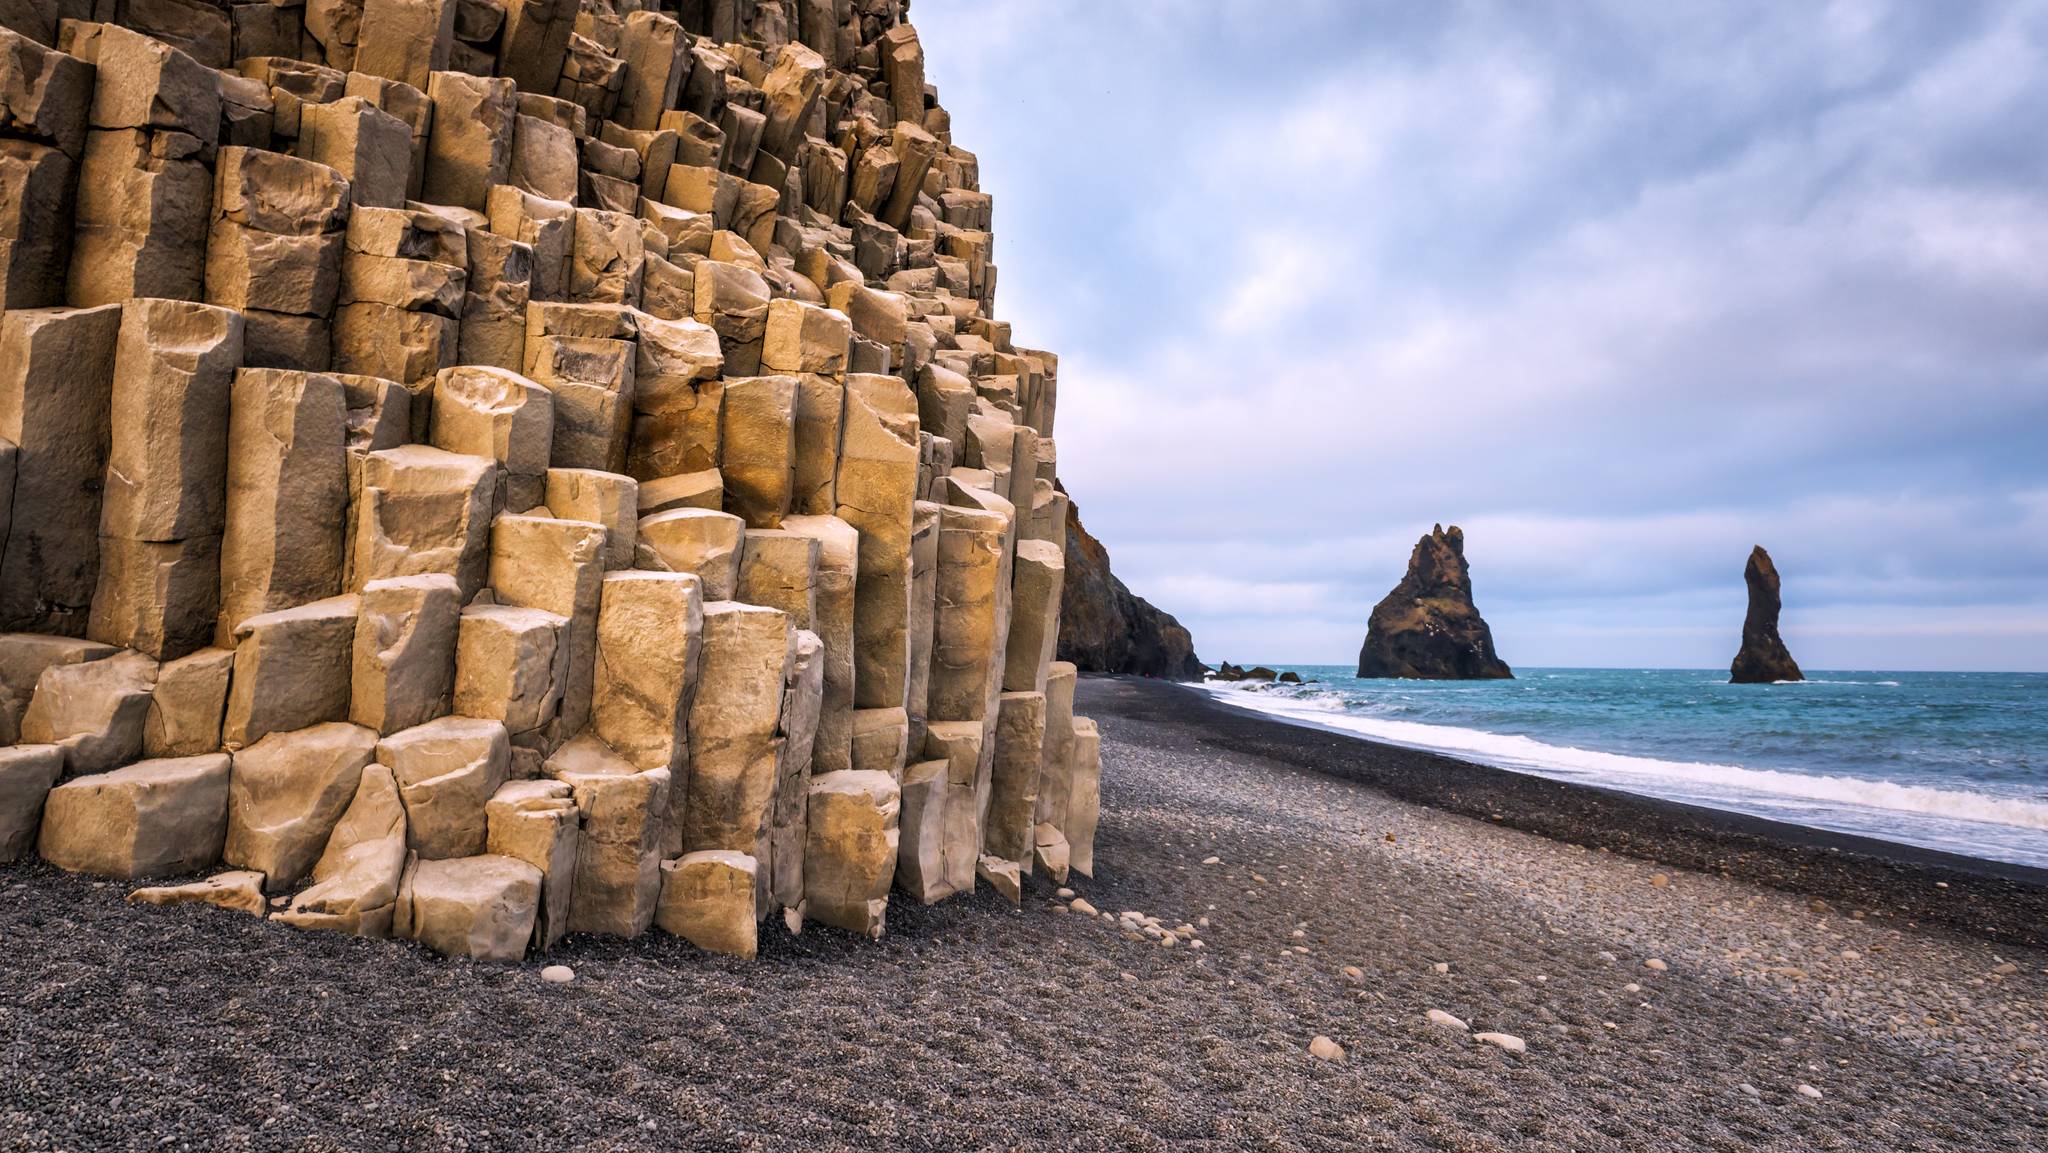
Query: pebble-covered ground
pixel 1322 907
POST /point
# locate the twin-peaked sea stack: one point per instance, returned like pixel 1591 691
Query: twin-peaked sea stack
pixel 480 471
pixel 1428 628
pixel 1764 658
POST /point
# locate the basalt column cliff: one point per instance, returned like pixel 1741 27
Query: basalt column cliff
pixel 488 469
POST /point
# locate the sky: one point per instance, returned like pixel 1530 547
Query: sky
pixel 1621 288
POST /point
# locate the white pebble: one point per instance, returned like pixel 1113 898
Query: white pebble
pixel 1809 1091
pixel 1441 967
pixel 1508 1041
pixel 558 974
pixel 1445 1020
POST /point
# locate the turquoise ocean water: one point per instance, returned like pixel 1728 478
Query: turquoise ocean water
pixel 1954 761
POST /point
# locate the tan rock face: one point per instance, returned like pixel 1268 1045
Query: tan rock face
pixel 510 666
pixel 56 388
pixel 499 414
pixel 877 487
pixel 820 422
pixel 1056 767
pixel 556 566
pixel 733 727
pixel 921 843
pixel 240 890
pixel 291 670
pixel 965 628
pixel 159 597
pixel 27 774
pixel 424 510
pixel 1007 832
pixel 287 494
pixel 368 146
pixel 174 370
pixel 1084 797
pixel 758 448
pixel 690 490
pixel 355 887
pixel 287 792
pixel 447 770
pixel 960 744
pixel 150 819
pixel 607 498
pixel 469 148
pixel 833 598
pixel 881 740
pixel 779 569
pixel 707 899
pixel 803 698
pixel 537 822
pixel 93 711
pixel 649 642
pixel 403 670
pixel 618 861
pixel 1037 576
pixel 482 906
pixel 23 659
pixel 705 543
pixel 850 855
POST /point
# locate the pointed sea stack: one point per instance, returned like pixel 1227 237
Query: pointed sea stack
pixel 1427 628
pixel 1763 658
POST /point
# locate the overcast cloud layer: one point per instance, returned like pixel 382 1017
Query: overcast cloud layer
pixel 1621 288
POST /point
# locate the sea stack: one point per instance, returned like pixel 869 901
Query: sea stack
pixel 1428 628
pixel 1763 658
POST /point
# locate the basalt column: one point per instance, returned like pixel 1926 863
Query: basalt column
pixel 486 471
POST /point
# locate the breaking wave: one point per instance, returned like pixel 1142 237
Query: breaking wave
pixel 1978 824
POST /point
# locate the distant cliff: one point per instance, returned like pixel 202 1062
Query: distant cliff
pixel 1764 657
pixel 1105 628
pixel 1428 627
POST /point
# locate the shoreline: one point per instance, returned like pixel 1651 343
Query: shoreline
pixel 1992 900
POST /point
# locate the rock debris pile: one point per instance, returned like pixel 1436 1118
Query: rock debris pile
pixel 488 469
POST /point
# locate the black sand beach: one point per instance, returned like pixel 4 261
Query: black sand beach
pixel 1326 879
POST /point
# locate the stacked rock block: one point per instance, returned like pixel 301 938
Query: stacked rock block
pixel 478 470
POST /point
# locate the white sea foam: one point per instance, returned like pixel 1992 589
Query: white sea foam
pixel 2007 828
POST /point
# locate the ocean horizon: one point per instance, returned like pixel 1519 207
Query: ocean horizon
pixel 1955 761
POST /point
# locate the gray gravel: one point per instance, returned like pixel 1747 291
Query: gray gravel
pixel 972 1026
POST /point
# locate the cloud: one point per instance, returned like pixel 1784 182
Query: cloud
pixel 1621 288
